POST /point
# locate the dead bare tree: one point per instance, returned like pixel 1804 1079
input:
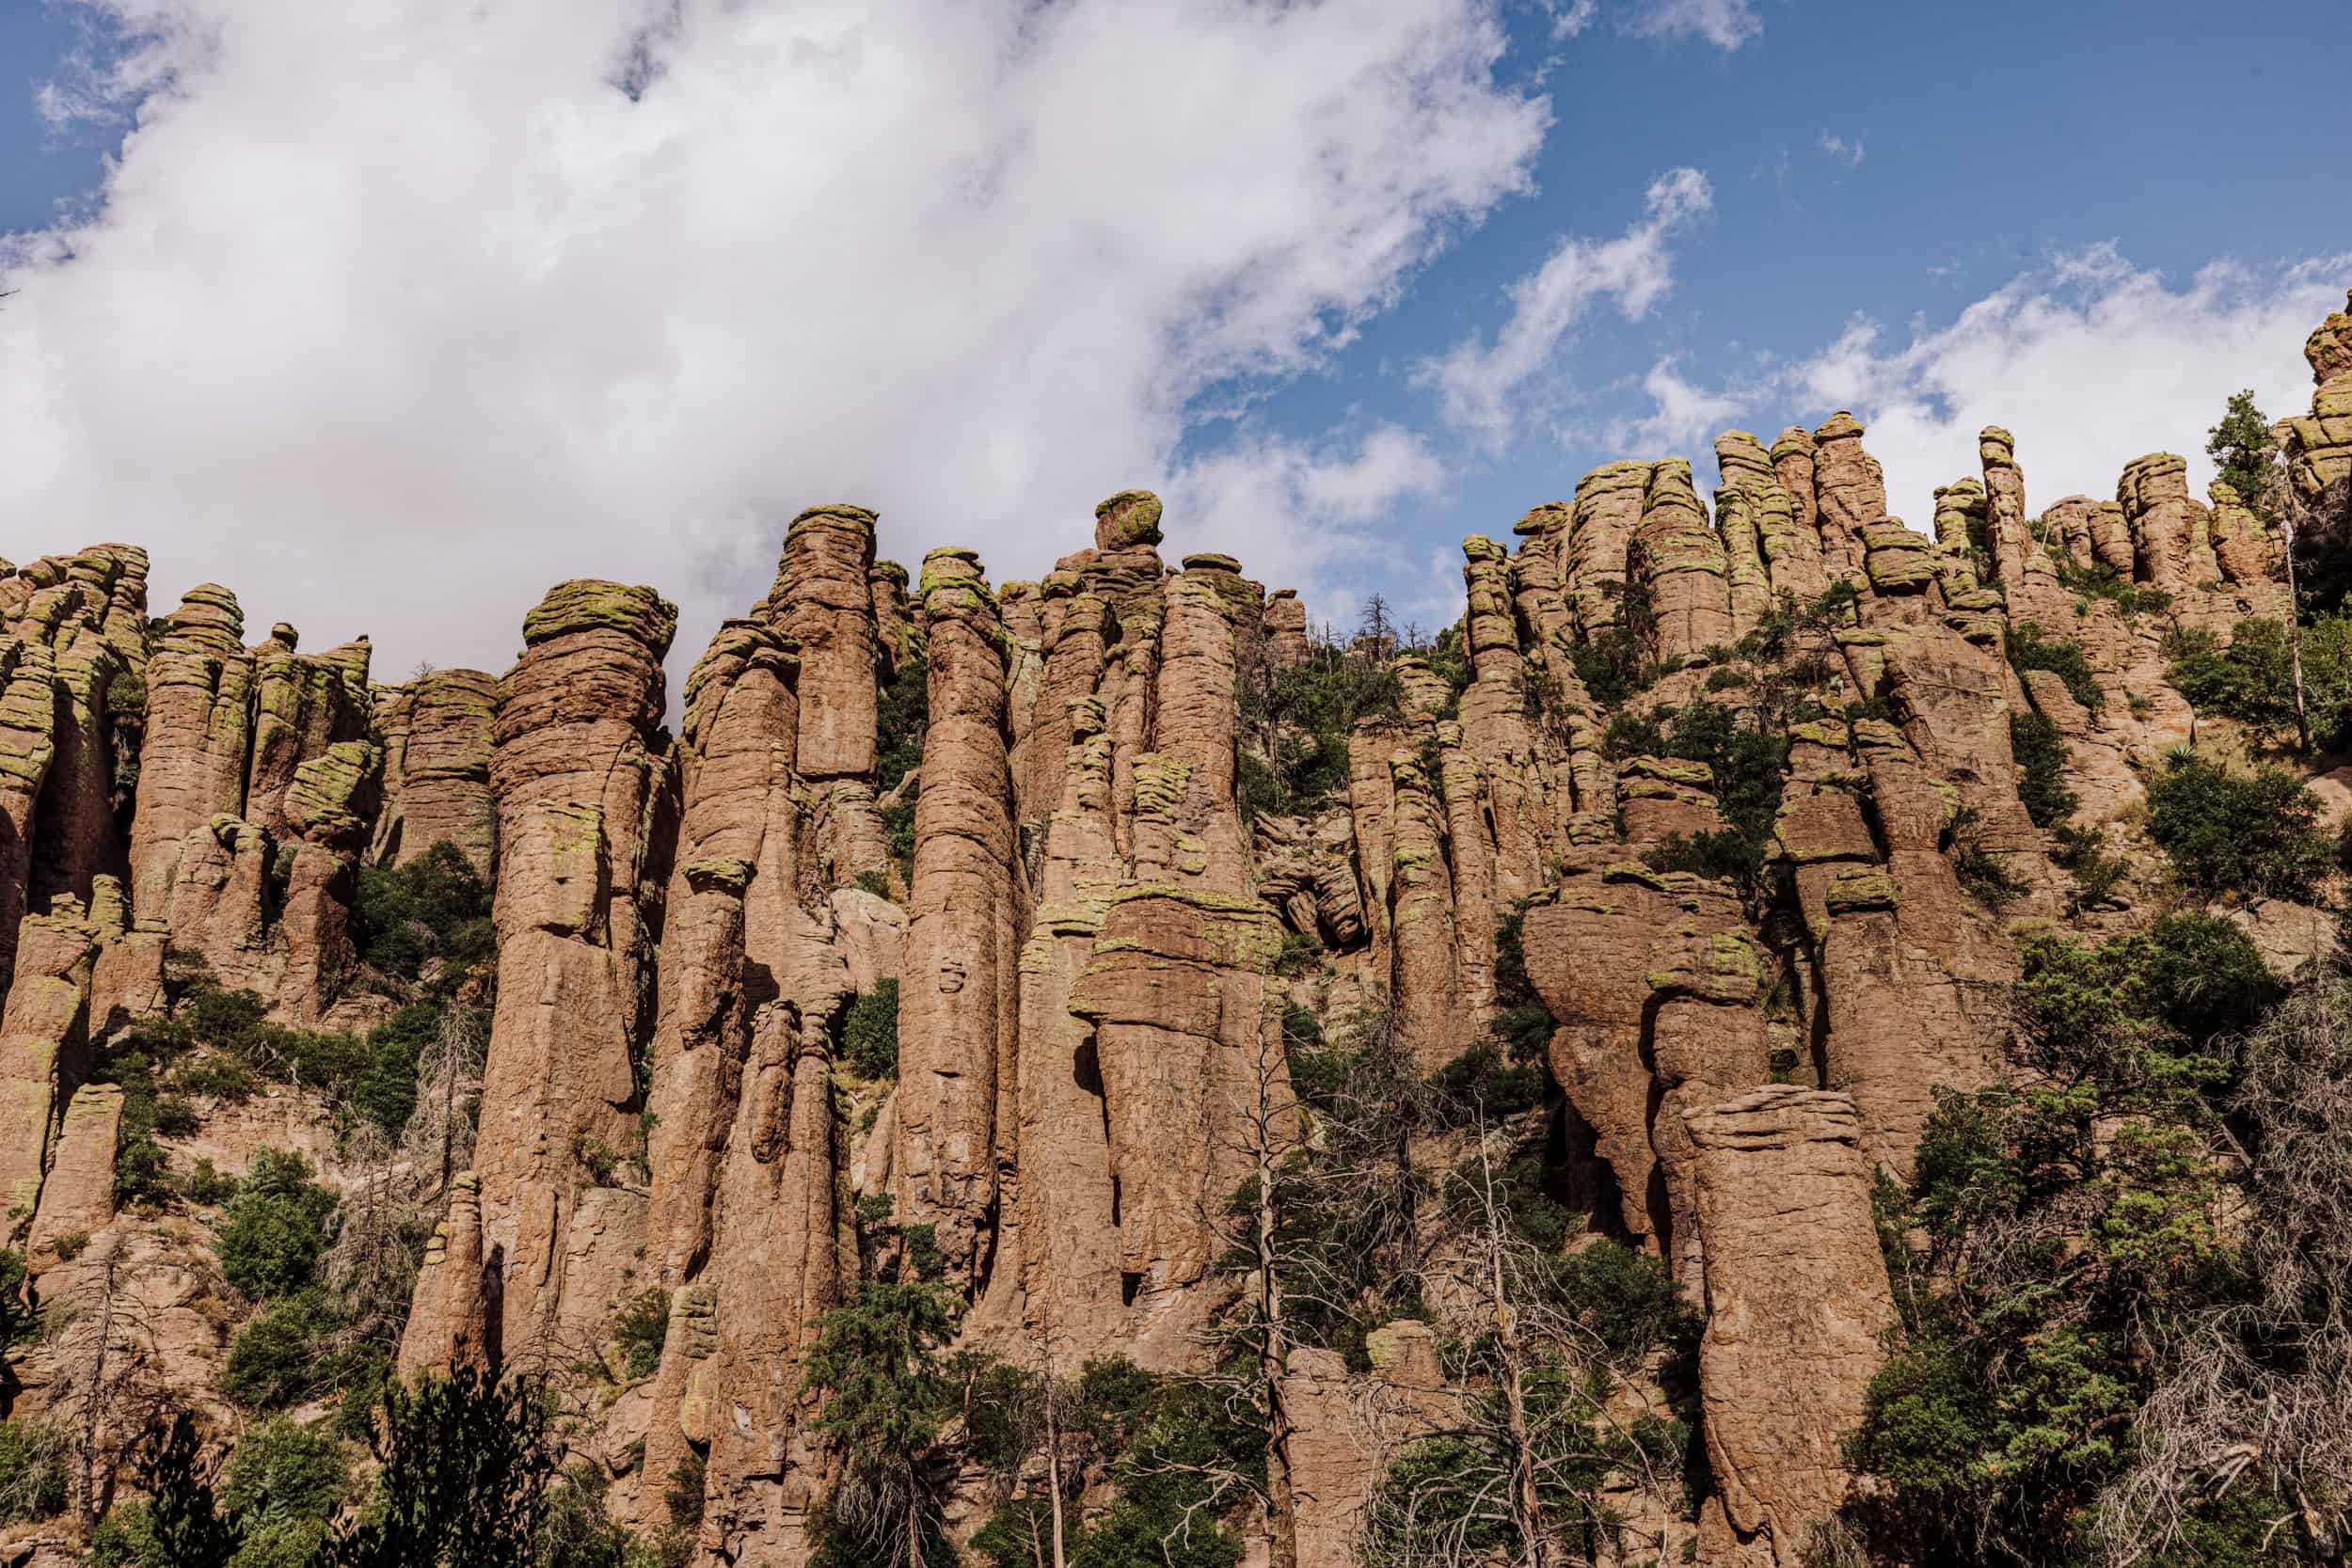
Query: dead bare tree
pixel 438 1137
pixel 2255 1394
pixel 1524 1470
pixel 103 1338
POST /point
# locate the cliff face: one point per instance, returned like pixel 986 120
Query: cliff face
pixel 1091 936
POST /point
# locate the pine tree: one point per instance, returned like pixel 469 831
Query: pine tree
pixel 2246 456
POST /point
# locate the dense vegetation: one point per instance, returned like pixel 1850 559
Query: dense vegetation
pixel 2246 835
pixel 2056 1227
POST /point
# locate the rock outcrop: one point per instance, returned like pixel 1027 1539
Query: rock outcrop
pixel 1706 826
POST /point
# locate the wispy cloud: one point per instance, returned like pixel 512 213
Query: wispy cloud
pixel 1847 152
pixel 1479 385
pixel 1725 23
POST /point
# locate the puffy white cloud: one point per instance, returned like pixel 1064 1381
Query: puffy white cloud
pixel 1725 23
pixel 2090 360
pixel 1296 512
pixel 1482 387
pixel 392 315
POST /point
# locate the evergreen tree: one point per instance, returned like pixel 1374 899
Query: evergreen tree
pixel 889 1395
pixel 2246 456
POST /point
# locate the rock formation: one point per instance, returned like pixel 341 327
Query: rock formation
pixel 1130 878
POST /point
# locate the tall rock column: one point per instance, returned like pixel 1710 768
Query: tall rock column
pixel 574 773
pixel 1681 564
pixel 192 765
pixel 28 744
pixel 823 604
pixel 1797 1300
pixel 1850 491
pixel 2319 445
pixel 957 1001
pixel 43 1030
pixel 1602 519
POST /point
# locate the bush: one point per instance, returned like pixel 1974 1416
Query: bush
pixel 435 906
pixel 216 1078
pixel 206 1185
pixel 869 1031
pixel 283 1473
pixel 1982 873
pixel 33 1455
pixel 641 1329
pixel 2255 835
pixel 2030 648
pixel 274 1228
pixel 2040 752
pixel 286 1355
pixel 874 882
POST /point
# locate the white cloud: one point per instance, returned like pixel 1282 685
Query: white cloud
pixel 1480 385
pixel 1683 420
pixel 1725 23
pixel 2089 361
pixel 1571 17
pixel 1293 512
pixel 394 315
pixel 1847 152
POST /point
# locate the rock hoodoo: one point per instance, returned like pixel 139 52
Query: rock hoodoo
pixel 1008 924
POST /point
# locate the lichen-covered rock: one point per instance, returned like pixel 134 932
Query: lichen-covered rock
pixel 574 772
pixel 1848 489
pixel 957 1000
pixel 1680 565
pixel 437 737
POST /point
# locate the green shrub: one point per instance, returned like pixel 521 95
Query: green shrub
pixel 274 1228
pixel 2102 581
pixel 206 1185
pixel 71 1245
pixel 435 906
pixel 2031 648
pixel 2097 874
pixel 1481 1083
pixel 126 1538
pixel 1749 764
pixel 286 1355
pixel 640 1330
pixel 898 819
pixel 2251 680
pixel 901 715
pixel 1300 953
pixel 216 1078
pixel 2255 835
pixel 283 1473
pixel 2040 752
pixel 869 1031
pixel 1984 875
pixel 874 882
pixel 33 1457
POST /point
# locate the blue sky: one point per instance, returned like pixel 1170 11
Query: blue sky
pixel 388 321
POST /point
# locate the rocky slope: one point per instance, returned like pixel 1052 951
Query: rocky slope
pixel 1095 920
